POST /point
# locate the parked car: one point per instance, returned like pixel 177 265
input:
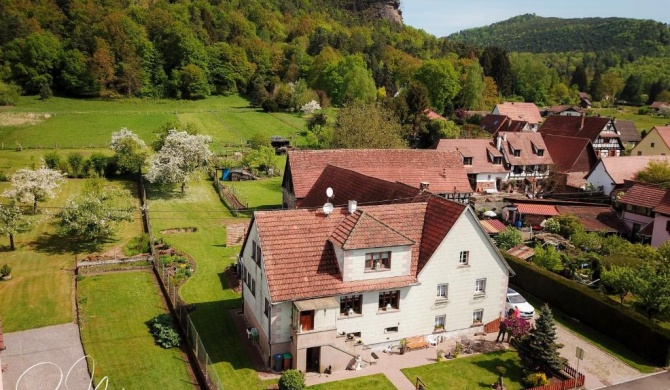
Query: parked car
pixel 514 300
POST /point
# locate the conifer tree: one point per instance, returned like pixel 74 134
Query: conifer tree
pixel 539 350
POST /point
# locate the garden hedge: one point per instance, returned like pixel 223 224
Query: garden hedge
pixel 595 310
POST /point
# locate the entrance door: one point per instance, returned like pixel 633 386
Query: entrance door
pixel 312 359
pixel 307 320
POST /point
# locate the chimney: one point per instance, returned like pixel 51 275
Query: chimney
pixel 582 125
pixel 505 137
pixel 423 185
pixel 498 142
pixel 352 206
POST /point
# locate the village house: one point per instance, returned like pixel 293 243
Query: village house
pixel 657 107
pixel 565 110
pixel 661 229
pixel 599 130
pixel 610 174
pixel 332 284
pixel 584 100
pixel 482 161
pixel 525 156
pixel 628 132
pixel 655 143
pixel 442 171
pixel 492 124
pixel 639 203
pixel 573 159
pixel 519 111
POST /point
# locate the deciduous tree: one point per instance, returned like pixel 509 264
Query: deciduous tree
pixel 12 222
pixel 364 126
pixel 655 172
pixel 620 280
pixel 130 151
pixel 509 238
pixel 32 186
pixel 441 80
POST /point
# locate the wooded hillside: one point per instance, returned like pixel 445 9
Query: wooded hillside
pixel 536 34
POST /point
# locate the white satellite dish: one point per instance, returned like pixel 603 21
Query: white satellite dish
pixel 328 208
pixel 329 192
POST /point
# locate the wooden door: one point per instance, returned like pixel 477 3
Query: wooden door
pixel 307 320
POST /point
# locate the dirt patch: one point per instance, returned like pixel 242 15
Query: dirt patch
pixel 179 230
pixel 18 119
pixel 232 278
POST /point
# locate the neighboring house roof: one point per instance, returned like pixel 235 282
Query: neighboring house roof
pixel 585 97
pixel 643 195
pixel 478 149
pixel 664 132
pixel 350 185
pixel 521 251
pixel 595 218
pixel 657 105
pixel 492 124
pixel 537 209
pixel 563 108
pixel 628 130
pixel 570 154
pixel 664 205
pixel 524 142
pixel 443 170
pixel 299 257
pixel 492 226
pixel 432 115
pixel 626 167
pixel 588 127
pixel 520 111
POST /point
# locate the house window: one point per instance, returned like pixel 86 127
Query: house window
pixel 259 255
pixel 467 160
pixel 253 250
pixel 393 329
pixel 542 168
pixel 267 307
pixel 517 153
pixel 442 291
pixel 639 153
pixel 376 261
pixel 351 304
pixel 389 300
pixel 253 287
pixel 497 160
pixel 477 316
pixel 540 152
pixel 480 286
pixel 652 144
pixel 244 275
pixel 464 258
pixel 518 169
pixel 440 321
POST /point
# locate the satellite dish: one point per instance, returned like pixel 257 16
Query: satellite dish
pixel 329 192
pixel 327 208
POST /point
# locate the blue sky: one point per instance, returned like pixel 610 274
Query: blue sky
pixel 444 17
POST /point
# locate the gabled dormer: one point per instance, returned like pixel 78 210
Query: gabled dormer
pixel 367 248
pixel 537 150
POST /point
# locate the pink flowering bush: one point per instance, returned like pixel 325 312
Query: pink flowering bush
pixel 517 326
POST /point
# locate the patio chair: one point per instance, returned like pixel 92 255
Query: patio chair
pixel 432 340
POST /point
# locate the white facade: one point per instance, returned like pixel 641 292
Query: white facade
pixel 488 180
pixel 661 232
pixel 419 304
pixel 600 178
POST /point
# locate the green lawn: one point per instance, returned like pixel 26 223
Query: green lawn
pixel 40 292
pixel 115 310
pixel 258 194
pixel 208 289
pixel 83 123
pixel 642 122
pixel 466 373
pixel 372 382
pixel 11 160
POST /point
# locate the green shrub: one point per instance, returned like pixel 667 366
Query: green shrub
pixel 6 270
pixel 3 176
pixel 164 332
pixel 137 246
pixel 9 94
pixel 292 380
pixel 535 379
pixel 52 160
pixel 643 111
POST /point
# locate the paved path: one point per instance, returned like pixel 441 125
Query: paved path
pixel 660 381
pixel 57 347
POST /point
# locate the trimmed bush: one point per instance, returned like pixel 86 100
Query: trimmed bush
pixel 292 380
pixel 164 332
pixel 594 309
pixel 52 160
pixel 6 270
pixel 535 379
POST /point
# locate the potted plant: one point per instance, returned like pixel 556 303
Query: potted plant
pixel 403 345
pixel 6 272
pixel 440 354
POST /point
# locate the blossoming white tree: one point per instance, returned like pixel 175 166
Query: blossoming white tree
pixel 32 186
pixel 310 107
pixel 130 151
pixel 12 221
pixel 181 155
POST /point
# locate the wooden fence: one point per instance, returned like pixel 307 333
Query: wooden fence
pixel 577 380
pixel 492 326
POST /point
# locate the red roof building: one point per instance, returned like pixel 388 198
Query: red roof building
pixel 640 202
pixel 482 161
pixel 494 123
pixel 525 155
pixel 519 111
pixel 573 159
pixel 599 130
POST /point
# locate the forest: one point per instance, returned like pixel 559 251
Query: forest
pixel 283 54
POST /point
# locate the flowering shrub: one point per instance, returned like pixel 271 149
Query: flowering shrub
pixel 517 326
pixel 535 379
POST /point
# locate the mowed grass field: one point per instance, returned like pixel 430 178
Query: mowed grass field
pixel 11 160
pixel 41 291
pixel 642 122
pixel 115 310
pixel 76 123
pixel 371 382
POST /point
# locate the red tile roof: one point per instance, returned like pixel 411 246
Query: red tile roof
pixel 495 123
pixel 478 149
pixel 299 258
pixel 537 209
pixel 492 226
pixel 361 230
pixel 443 170
pixel 524 142
pixel 432 115
pixel 664 205
pixel 588 127
pixel 628 130
pixel 570 154
pixel 350 185
pixel 520 111
pixel 563 108
pixel 664 132
pixel 626 167
pixel 595 218
pixel 658 105
pixel 643 195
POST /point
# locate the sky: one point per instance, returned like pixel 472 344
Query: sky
pixel 444 17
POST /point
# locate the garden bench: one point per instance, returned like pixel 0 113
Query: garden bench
pixel 416 342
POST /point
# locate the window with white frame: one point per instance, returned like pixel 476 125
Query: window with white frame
pixel 442 291
pixel 480 286
pixel 376 261
pixel 478 316
pixel 464 258
pixel 440 321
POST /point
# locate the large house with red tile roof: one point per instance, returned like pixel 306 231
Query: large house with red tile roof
pixel 600 131
pixel 525 155
pixel 520 111
pixel 639 204
pixel 610 174
pixel 327 285
pixel 573 159
pixel 655 143
pixel 442 171
pixel 492 124
pixel 482 161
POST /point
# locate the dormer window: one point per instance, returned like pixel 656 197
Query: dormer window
pixel 497 160
pixel 516 152
pixel 467 160
pixel 538 151
pixel 378 261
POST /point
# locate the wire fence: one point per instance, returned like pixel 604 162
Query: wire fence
pixel 180 309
